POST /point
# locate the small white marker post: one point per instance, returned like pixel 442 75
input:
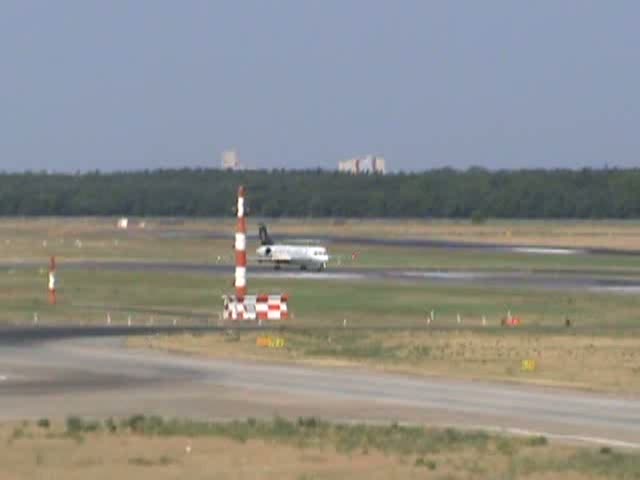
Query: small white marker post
pixel 344 323
pixel 459 319
pixel 432 315
pixel 108 318
pixel 259 322
pixel 35 317
pixel 484 321
pixel 175 321
pixel 129 321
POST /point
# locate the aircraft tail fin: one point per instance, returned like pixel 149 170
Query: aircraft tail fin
pixel 265 239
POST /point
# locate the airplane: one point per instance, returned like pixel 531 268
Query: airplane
pixel 312 258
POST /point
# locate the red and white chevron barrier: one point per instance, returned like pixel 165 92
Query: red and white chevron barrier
pixel 257 307
pixel 272 307
pixel 249 307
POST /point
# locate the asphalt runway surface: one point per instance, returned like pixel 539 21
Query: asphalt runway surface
pixel 57 377
pixel 595 281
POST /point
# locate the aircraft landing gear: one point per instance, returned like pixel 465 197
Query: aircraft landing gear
pixel 276 266
pixel 303 267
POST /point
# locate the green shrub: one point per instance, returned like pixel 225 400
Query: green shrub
pixel 110 425
pixel 506 446
pixel 282 427
pixel 18 432
pixel 141 462
pixel 135 423
pixel 539 441
pixel 478 218
pixel 44 423
pixel 307 422
pixel 421 462
pixel 74 425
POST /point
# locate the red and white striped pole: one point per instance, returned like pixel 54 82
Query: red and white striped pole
pixel 241 249
pixel 52 281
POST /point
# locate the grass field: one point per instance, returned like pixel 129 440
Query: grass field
pixel 80 239
pixel 151 447
pixel 87 295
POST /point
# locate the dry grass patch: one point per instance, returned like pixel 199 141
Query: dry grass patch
pixel 590 362
pixel 152 447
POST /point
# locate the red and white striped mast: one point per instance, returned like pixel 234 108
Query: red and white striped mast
pixel 52 280
pixel 241 249
pixel 242 306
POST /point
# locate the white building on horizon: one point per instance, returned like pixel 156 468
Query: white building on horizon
pixel 230 160
pixel 364 164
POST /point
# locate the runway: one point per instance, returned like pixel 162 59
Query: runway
pixel 98 377
pixel 596 281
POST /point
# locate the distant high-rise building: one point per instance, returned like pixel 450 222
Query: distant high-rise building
pixel 347 166
pixel 364 164
pixel 230 160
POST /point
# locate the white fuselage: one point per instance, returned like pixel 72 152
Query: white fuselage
pixel 313 258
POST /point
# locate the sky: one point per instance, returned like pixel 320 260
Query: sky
pixel 124 85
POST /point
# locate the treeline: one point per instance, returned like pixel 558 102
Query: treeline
pixel 476 192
